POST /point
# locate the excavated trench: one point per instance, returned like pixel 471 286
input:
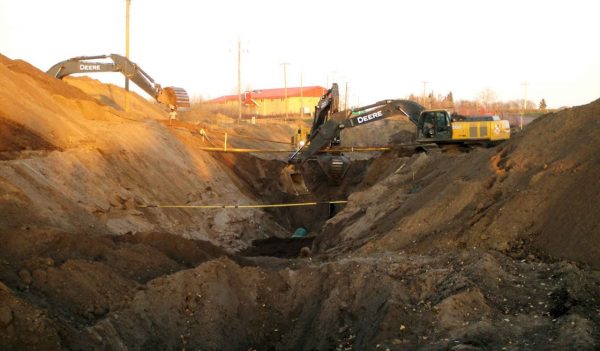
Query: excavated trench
pixel 426 256
pixel 260 179
pixel 162 292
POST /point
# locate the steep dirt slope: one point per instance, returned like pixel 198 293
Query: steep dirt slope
pixel 90 166
pixel 534 190
pixel 114 96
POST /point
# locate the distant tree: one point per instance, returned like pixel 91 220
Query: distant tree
pixel 447 101
pixel 543 105
pixel 529 105
pixel 486 97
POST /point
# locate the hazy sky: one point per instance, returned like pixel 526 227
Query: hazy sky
pixel 381 49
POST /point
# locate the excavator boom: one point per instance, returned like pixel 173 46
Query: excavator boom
pixel 325 133
pixel 329 130
pixel 173 97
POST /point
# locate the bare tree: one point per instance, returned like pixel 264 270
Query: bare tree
pixel 486 97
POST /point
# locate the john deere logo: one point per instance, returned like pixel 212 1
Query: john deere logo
pixel 367 118
pixel 89 67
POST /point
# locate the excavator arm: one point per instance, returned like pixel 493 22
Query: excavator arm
pixel 327 105
pixel 173 97
pixel 325 133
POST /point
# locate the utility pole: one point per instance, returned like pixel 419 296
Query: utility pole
pixel 301 95
pixel 285 64
pixel 346 97
pixel 424 92
pixel 239 80
pixel 525 84
pixel 127 6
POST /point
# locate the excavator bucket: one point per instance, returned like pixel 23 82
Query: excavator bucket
pixel 292 181
pixel 334 166
pixel 176 97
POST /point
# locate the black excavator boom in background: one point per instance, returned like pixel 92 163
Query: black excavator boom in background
pixel 328 122
pixel 174 98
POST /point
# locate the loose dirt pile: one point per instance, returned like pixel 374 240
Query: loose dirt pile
pixel 534 193
pixel 63 282
pixel 78 162
pixel 106 293
pixel 490 250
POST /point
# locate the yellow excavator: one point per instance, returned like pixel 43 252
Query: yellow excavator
pixel 442 127
pixel 434 128
pixel 172 97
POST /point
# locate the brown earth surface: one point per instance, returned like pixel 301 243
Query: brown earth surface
pixel 496 249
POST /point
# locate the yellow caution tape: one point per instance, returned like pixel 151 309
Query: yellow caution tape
pixel 246 206
pixel 221 149
pixel 340 149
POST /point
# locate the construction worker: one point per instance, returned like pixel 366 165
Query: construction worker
pixel 429 127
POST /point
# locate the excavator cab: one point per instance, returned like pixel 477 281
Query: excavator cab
pixel 438 126
pixel 434 125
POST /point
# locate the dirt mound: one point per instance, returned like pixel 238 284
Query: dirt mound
pixel 127 292
pixel 114 96
pixel 51 86
pixel 63 281
pixel 108 164
pixel 379 133
pixel 15 139
pixel 533 192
